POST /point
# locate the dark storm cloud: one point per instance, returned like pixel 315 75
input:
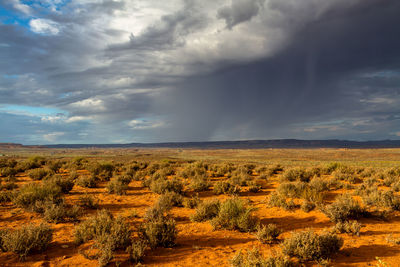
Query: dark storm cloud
pixel 239 11
pixel 313 79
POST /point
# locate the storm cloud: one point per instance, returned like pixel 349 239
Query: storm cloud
pixel 145 71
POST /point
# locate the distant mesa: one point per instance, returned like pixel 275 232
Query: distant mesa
pixel 247 144
pixel 10 145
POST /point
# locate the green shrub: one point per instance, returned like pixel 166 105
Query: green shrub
pixel 253 258
pixel 267 233
pixel 55 165
pixel 160 232
pixel 27 239
pixel 192 202
pixel 57 213
pixel 387 199
pixel 87 181
pixel 307 245
pixel 65 184
pixel 6 196
pixel 136 251
pixel 87 201
pixel 109 234
pixel 7 162
pixel 28 196
pixel 225 187
pixel 160 186
pixel 275 169
pixel 343 208
pixel 254 187
pixel 103 171
pixel 124 179
pixel 240 179
pixel 117 187
pixel 199 184
pixel 234 215
pixel 101 227
pixel 349 227
pixel 206 211
pixel 307 206
pixel 38 174
pixel 8 172
pixel 9 186
pixel 168 200
pixel 279 201
pixel 297 174
pixel 73 175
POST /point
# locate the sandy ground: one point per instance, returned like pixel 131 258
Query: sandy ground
pixel 197 243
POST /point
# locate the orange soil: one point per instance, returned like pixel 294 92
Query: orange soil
pixel 197 243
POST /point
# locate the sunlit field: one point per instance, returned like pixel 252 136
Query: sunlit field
pixel 186 207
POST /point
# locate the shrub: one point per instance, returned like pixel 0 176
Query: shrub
pixel 124 179
pixel 168 200
pixel 8 172
pixel 109 234
pixel 27 239
pixel 349 227
pixel 277 200
pixel 117 187
pixel 253 258
pixel 136 251
pixel 65 184
pixel 343 208
pixel 60 213
pixel 6 196
pixel 267 233
pixel 160 186
pixel 73 175
pixel 288 190
pixel 297 174
pixel 160 232
pixel 30 195
pixel 206 211
pixel 307 245
pixel 307 206
pixel 275 169
pixel 234 215
pixel 103 171
pixel 192 202
pixel 55 165
pixel 9 186
pixel 38 174
pixel 101 226
pixel 87 181
pixel 372 196
pixel 240 179
pixel 199 184
pixel 254 187
pixel 87 201
pixel 225 187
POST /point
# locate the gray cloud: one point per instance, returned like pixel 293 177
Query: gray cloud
pixel 239 11
pixel 126 71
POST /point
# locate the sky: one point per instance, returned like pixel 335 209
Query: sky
pixel 122 71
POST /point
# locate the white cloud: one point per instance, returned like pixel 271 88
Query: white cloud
pixel 44 26
pixel 89 104
pixel 51 137
pixel 143 124
pixel 21 7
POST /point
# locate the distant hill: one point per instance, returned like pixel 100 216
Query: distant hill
pixel 249 144
pixel 10 145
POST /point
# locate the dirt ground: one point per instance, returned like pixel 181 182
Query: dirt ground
pixel 197 243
